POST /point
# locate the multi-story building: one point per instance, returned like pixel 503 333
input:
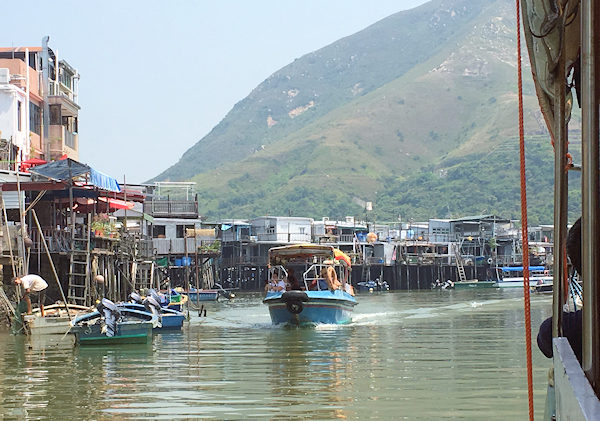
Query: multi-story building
pixel 38 105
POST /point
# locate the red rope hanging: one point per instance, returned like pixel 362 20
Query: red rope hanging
pixel 524 232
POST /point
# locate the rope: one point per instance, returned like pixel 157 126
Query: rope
pixel 527 308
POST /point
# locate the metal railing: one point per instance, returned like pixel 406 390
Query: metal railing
pixel 166 208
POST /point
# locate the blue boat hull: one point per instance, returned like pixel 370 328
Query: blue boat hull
pixel 310 307
pixel 202 296
pixel 170 319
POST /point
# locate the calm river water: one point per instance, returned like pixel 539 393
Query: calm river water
pixel 426 355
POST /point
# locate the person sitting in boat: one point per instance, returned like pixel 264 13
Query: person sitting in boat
pixel 320 284
pixel 332 279
pixel 291 281
pixel 572 324
pixel 277 285
pixel 33 284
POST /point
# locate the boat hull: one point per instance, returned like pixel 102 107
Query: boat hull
pixel 207 295
pixel 127 333
pixel 171 321
pixel 474 284
pixel 309 308
pixel 519 283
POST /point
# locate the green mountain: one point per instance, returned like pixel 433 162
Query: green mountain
pixel 416 113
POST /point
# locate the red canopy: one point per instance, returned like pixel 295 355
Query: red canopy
pixel 104 205
pixel 114 203
pixel 25 165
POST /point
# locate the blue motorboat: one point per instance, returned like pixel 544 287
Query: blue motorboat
pixel 325 295
pixel 195 295
pixel 169 318
pixel 111 324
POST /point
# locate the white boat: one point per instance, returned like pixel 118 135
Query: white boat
pixel 55 322
pixel 512 277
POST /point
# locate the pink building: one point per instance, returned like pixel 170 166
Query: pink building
pixel 38 105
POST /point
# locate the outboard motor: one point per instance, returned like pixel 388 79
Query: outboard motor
pixel 159 298
pixel 135 297
pixel 153 306
pixel 111 315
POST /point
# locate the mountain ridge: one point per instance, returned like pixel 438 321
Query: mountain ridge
pixel 440 113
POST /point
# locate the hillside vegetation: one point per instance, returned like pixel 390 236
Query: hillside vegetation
pixel 417 113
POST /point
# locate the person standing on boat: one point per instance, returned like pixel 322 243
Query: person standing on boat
pixel 33 284
pixel 572 322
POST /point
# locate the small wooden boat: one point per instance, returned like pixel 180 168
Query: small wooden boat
pixel 109 324
pixel 318 301
pixel 55 320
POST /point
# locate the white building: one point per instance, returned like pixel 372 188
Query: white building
pixel 282 229
pixel 14 123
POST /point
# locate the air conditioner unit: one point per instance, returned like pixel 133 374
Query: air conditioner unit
pixel 4 76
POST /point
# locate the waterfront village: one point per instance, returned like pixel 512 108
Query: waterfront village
pixel 64 219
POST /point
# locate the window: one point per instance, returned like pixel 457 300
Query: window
pixel 158 231
pixel 302 230
pixel 19 112
pixel 181 230
pixel 66 77
pixel 35 118
pixel 55 115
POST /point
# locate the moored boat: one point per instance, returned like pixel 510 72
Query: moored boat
pixel 474 283
pixel 109 324
pixel 55 320
pixel 371 286
pixel 512 277
pixel 319 300
pixel 195 295
pixel 168 318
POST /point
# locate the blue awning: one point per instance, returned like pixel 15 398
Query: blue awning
pixel 67 169
pixel 103 181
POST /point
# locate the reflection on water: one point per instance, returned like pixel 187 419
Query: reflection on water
pixel 406 355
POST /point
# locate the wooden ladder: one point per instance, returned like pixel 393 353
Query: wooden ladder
pixel 79 269
pixel 459 263
pixel 143 275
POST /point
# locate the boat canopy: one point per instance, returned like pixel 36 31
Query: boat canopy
pixel 520 268
pixel 306 251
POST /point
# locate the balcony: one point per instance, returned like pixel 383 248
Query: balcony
pixel 165 246
pixel 284 237
pixel 172 208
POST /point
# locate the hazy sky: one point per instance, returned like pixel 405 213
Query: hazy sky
pixel 157 76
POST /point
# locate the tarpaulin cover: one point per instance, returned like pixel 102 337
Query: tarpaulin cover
pixel 67 169
pixel 61 170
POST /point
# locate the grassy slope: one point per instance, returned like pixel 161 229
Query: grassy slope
pixel 330 77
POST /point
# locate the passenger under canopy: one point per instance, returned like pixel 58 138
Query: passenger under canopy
pixel 281 255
